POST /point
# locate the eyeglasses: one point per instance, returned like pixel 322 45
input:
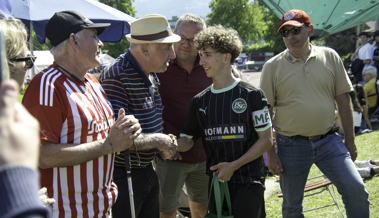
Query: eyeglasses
pixel 184 39
pixel 29 60
pixel 295 31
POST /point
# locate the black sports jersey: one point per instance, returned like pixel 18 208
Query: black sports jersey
pixel 227 120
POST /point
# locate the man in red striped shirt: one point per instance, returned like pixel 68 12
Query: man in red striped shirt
pixel 79 134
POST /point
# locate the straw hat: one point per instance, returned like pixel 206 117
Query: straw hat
pixel 152 28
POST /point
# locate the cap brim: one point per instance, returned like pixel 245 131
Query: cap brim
pixel 170 39
pixel 290 23
pixel 100 27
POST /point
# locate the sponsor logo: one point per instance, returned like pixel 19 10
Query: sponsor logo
pixel 203 110
pixel 289 15
pixel 239 105
pixel 225 132
pixel 97 126
pixel 261 117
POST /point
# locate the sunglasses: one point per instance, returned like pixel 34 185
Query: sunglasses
pixel 295 31
pixel 29 60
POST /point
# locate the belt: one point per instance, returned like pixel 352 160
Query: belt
pixel 316 137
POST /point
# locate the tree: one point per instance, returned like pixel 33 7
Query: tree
pixel 246 18
pixel 270 35
pixel 115 49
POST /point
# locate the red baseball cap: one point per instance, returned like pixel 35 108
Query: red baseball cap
pixel 294 17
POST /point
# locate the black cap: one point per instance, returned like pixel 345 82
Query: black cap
pixel 376 33
pixel 368 34
pixel 63 23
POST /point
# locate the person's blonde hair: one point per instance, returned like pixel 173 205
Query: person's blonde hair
pixel 221 39
pixel 15 37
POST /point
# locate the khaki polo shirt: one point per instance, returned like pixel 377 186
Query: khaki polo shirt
pixel 303 92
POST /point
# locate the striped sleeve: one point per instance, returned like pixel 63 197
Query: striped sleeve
pixel 19 193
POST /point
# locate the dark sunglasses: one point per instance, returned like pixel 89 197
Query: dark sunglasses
pixel 295 31
pixel 29 60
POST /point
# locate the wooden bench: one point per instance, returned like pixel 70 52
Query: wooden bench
pixel 324 185
pixel 313 186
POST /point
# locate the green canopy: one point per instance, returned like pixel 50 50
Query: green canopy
pixel 329 16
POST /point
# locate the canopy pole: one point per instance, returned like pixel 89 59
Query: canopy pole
pixel 358 31
pixel 31 46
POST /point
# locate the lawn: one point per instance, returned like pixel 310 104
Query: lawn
pixel 368 147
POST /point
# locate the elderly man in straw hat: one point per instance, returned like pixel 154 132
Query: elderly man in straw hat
pixel 131 83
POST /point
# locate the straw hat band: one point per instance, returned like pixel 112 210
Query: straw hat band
pixel 152 37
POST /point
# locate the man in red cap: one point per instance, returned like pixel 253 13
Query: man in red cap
pixel 303 83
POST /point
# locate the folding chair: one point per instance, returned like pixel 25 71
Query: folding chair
pixel 322 185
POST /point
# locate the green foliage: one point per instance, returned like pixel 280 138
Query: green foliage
pixel 343 42
pixel 368 147
pixel 262 47
pixel 36 45
pixel 270 35
pixel 115 49
pixel 246 18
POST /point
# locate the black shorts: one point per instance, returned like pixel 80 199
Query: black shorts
pixel 247 200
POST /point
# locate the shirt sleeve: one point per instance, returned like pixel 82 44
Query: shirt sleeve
pixel 19 193
pixel 343 83
pixel 45 109
pixel 267 83
pixel 260 114
pixel 191 127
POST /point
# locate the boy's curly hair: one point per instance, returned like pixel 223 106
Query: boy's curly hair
pixel 221 39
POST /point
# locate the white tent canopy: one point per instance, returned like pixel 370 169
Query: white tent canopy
pixel 45 59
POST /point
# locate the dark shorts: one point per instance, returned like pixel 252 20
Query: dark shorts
pixel 247 200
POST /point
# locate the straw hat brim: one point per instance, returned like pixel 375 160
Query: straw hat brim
pixel 169 39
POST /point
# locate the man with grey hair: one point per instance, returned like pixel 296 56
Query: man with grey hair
pixel 131 83
pixel 370 75
pixel 183 79
pixel 78 131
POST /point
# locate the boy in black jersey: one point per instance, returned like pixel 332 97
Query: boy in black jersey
pixel 232 119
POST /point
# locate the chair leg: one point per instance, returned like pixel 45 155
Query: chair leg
pixel 334 199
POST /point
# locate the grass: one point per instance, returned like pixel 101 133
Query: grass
pixel 368 147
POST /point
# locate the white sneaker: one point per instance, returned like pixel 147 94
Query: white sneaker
pixel 363 164
pixel 365 172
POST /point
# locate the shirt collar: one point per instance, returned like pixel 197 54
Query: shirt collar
pixel 195 65
pixel 293 59
pixel 137 68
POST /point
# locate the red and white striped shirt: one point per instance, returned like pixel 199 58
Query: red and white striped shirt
pixel 73 112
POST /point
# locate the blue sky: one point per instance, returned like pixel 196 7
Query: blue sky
pixel 169 8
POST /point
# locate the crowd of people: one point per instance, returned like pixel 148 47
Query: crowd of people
pixel 171 112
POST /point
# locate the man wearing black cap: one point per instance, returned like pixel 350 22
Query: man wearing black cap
pixel 79 134
pixel 302 84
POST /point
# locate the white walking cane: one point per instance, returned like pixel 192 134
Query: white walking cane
pixel 129 177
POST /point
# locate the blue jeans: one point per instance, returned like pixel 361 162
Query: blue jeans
pixel 145 189
pixel 333 159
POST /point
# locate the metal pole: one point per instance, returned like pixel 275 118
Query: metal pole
pixel 358 31
pixel 129 177
pixel 31 47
